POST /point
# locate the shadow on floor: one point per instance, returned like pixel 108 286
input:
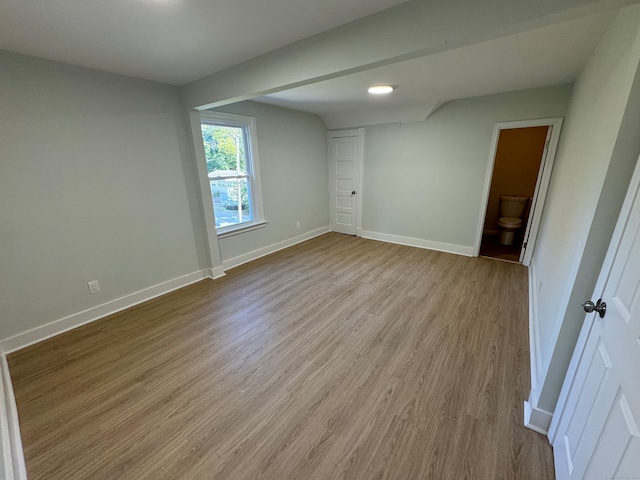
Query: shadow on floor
pixel 491 248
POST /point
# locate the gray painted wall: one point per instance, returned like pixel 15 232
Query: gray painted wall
pixel 596 156
pixel 425 180
pixel 96 182
pixel 97 179
pixel 292 148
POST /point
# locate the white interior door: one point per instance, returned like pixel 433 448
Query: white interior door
pixel 344 156
pixel 598 432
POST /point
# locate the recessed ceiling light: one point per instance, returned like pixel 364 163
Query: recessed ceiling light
pixel 380 89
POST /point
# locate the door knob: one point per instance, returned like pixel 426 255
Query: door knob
pixel 599 307
pixel 353 192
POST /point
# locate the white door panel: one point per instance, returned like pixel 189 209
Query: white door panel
pixel 344 168
pixel 597 375
pixel 343 202
pixel 598 435
pixel 344 185
pixel 344 158
pixel 618 436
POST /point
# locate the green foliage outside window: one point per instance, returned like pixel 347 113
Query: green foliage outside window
pixel 223 147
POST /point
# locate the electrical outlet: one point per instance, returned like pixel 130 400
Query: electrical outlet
pixel 298 224
pixel 94 287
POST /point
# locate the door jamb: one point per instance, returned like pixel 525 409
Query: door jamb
pixel 536 214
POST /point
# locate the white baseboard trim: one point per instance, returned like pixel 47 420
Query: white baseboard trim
pixel 261 252
pixel 75 320
pixel 418 242
pixel 537 419
pixel 12 466
pixel 534 336
pixel 216 272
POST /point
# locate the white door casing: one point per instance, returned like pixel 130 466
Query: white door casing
pixel 527 250
pixel 542 184
pixel 596 429
pixel 345 153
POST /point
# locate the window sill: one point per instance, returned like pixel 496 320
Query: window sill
pixel 230 231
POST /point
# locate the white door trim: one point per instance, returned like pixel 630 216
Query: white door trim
pixel 541 188
pixel 533 221
pixel 359 173
pixel 345 133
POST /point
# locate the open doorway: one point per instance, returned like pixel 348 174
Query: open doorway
pixel 522 157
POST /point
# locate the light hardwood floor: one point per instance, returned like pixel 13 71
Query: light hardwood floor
pixel 339 358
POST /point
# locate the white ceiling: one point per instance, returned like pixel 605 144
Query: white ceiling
pixel 171 41
pixel 546 56
pixel 179 41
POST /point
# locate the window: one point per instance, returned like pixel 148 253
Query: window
pixel 232 171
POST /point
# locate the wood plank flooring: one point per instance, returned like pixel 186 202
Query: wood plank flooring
pixel 338 358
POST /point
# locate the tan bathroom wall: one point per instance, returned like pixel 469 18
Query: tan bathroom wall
pixel 516 168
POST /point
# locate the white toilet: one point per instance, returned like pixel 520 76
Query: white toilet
pixel 510 221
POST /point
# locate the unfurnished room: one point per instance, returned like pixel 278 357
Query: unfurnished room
pixel 380 239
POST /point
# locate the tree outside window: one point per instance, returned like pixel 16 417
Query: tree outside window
pixel 227 150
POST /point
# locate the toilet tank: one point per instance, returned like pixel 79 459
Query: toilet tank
pixel 513 206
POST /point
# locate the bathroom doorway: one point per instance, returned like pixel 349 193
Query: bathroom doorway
pixel 517 181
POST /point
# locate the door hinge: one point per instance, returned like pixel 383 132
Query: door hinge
pixel 524 245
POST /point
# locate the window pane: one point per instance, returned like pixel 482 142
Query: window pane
pixel 231 201
pixel 225 150
pixel 227 141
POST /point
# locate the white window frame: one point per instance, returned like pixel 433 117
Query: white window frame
pixel 253 168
